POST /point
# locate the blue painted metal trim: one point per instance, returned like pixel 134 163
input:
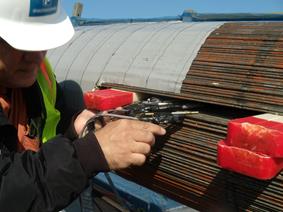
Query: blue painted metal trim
pixel 88 22
pixel 193 16
pixel 138 198
pixel 187 16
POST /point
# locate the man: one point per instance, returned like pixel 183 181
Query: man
pixel 38 170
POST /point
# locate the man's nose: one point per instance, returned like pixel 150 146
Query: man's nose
pixel 34 56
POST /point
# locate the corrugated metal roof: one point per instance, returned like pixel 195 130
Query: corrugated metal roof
pixel 154 55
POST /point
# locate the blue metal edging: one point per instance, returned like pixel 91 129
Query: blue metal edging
pixel 187 16
pixel 190 15
pixel 93 21
pixel 138 198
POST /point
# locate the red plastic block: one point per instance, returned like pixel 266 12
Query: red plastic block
pixel 260 134
pixel 248 163
pixel 107 99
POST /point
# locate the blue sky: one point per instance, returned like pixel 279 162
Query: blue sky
pixel 159 8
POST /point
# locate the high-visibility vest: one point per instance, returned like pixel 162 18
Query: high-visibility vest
pixel 47 83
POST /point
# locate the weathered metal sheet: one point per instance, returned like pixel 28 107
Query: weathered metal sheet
pixel 153 55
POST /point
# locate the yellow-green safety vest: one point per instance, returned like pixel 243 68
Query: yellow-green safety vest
pixel 47 83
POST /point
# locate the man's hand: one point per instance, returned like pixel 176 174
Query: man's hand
pixel 127 142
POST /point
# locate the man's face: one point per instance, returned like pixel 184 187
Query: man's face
pixel 18 68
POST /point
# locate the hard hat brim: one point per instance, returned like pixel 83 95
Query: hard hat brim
pixel 38 35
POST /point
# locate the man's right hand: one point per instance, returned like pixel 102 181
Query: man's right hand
pixel 127 142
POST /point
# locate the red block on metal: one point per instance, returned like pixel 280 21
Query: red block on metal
pixel 260 134
pixel 107 99
pixel 248 163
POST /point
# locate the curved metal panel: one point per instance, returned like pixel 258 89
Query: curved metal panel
pixel 153 55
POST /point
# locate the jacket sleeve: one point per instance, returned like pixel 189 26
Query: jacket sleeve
pixel 69 102
pixel 50 179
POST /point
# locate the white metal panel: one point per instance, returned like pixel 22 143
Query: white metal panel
pixel 55 56
pixel 177 56
pixel 153 55
pixel 125 55
pixel 95 39
pixel 96 67
pixel 141 69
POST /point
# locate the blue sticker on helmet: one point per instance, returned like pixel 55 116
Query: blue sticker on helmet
pixel 42 7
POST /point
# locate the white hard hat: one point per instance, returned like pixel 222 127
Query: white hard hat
pixel 34 25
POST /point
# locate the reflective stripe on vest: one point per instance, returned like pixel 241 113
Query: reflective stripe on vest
pixel 47 83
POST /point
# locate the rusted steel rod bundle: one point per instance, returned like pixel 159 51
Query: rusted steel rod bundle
pixel 240 65
pixel 183 166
